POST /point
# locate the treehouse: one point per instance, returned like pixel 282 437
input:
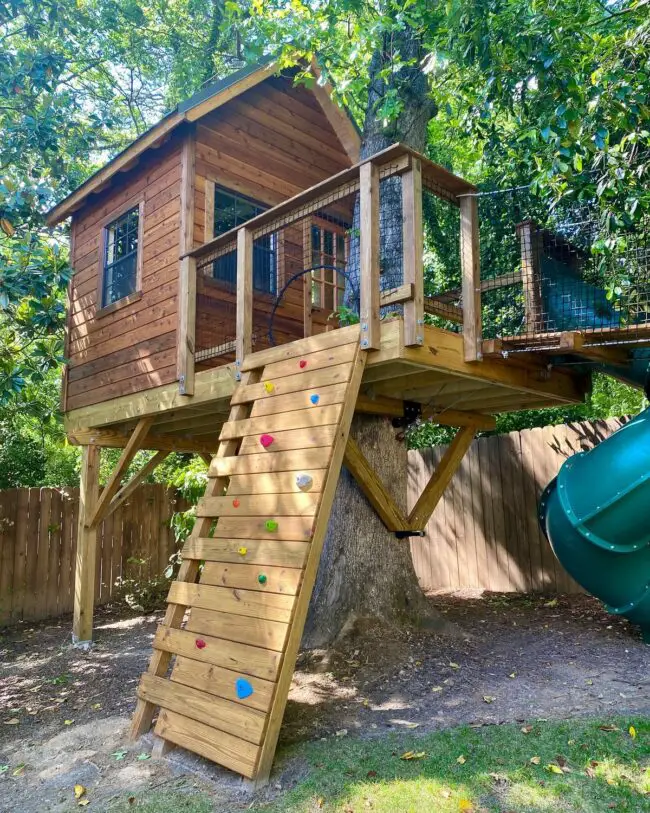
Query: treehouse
pixel 211 259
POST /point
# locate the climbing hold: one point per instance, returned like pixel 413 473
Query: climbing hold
pixel 269 386
pixel 314 398
pixel 271 525
pixel 243 688
pixel 200 643
pixel 262 578
pixel 302 364
pixel 235 503
pixel 304 482
pixel 242 551
pixel 266 440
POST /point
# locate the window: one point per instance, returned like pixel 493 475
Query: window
pixel 120 278
pixel 328 253
pixel 232 210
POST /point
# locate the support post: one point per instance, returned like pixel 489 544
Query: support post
pixel 440 479
pixel 86 559
pixel 413 238
pixel 244 341
pixel 471 271
pixel 530 275
pixel 369 255
pixel 187 271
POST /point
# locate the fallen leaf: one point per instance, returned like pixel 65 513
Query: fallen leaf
pixel 488 698
pixel 466 805
pixel 454 665
pixel 13 721
pixel 554 768
pixel 512 675
pixel 461 760
pixel 611 781
pixel 79 791
pixel 7 227
pixel 143 756
pixel 526 729
pixel 436 688
pixel 570 742
pixel 371 774
pixel 551 603
pixel 83 802
pixel 4 768
pixel 96 706
pixel 120 754
pixel 19 770
pixel 408 755
pixel 68 722
pixel 535 760
pixel 590 772
pixel 607 728
pixel 445 794
pixel 320 802
pixel 342 733
pixel 632 732
pixel 411 725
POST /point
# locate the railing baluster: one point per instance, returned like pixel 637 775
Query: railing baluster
pixel 471 271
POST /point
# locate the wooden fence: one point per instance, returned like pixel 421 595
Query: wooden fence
pixel 38 529
pixel 484 532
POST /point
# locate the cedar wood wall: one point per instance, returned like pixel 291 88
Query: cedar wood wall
pixel 270 143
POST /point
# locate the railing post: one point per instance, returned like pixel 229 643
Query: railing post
pixel 530 275
pixel 413 239
pixel 244 340
pixel 186 325
pixel 471 272
pixel 369 255
pixel 86 556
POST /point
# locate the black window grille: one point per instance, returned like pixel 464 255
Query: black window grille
pixel 121 257
pixel 232 210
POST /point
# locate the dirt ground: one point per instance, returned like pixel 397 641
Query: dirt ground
pixel 64 712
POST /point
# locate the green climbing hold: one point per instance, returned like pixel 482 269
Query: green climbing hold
pixel 261 578
pixel 271 525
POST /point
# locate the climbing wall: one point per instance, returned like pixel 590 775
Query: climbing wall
pixel 220 674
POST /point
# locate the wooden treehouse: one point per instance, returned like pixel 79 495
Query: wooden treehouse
pixel 209 259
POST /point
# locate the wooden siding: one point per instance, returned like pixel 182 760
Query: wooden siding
pixel 484 532
pixel 38 530
pixel 268 144
pixel 133 347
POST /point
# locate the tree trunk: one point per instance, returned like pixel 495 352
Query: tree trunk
pixel 365 571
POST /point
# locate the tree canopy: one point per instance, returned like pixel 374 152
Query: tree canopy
pixel 520 91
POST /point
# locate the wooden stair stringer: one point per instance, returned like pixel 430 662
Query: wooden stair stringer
pixel 247 611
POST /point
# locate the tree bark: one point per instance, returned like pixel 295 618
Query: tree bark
pixel 365 571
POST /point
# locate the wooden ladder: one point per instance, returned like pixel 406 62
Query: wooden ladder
pixel 259 531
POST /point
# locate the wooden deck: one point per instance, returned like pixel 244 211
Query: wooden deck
pixel 434 375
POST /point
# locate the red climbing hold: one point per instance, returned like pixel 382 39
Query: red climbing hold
pixel 200 643
pixel 266 440
pixel 303 364
pixel 235 503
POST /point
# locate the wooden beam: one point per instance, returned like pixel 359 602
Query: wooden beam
pixel 574 342
pixel 369 255
pixel 127 489
pixel 471 271
pixel 244 297
pixel 375 491
pixel 133 446
pixel 187 271
pixel 457 417
pixel 339 119
pixel 441 478
pixel 393 296
pixel 413 248
pixel 86 557
pixel 114 439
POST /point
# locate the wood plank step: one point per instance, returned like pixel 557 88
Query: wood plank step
pixel 224 749
pixel 306 382
pixel 215 680
pixel 289 528
pixel 222 714
pixel 291 439
pixel 297 349
pixel 264 505
pixel 240 628
pixel 317 361
pixel 271 606
pixel 250 660
pixel 275 482
pixel 273 404
pixel 284 580
pixel 263 462
pixel 271 424
pixel 281 553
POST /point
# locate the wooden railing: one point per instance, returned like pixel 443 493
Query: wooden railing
pixel 358 189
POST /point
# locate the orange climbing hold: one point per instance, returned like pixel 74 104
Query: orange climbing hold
pixel 235 503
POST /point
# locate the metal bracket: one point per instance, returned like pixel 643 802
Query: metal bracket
pixel 407 534
pixel 412 411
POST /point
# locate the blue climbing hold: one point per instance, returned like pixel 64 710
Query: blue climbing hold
pixel 243 688
pixel 314 398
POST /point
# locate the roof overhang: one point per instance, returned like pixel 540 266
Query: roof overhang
pixel 194 108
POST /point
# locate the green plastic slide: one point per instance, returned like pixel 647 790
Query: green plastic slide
pixel 596 516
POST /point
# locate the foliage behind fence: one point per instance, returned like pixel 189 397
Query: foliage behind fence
pixel 38 530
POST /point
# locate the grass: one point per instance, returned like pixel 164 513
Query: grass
pixel 582 769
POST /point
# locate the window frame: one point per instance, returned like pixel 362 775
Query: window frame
pixel 336 229
pixel 136 294
pixel 277 243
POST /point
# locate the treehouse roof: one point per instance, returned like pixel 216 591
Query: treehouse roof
pixel 198 105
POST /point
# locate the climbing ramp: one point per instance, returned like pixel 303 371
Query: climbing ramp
pixel 220 675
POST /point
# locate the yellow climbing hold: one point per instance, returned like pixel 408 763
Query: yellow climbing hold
pixel 242 551
pixel 269 386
